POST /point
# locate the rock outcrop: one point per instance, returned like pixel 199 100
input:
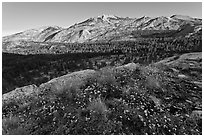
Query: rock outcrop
pixel 27 93
pixel 58 85
pixel 20 95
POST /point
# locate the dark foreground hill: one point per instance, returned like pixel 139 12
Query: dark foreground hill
pixel 160 98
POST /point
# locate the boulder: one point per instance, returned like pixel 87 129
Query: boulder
pixel 20 95
pixel 66 82
pixel 58 85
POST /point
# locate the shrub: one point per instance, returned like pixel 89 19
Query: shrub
pixel 106 76
pixel 152 82
pixel 97 106
pixel 11 126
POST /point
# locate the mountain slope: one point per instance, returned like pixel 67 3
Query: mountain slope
pixel 103 28
pixel 38 34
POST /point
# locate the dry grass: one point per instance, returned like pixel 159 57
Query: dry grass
pixel 11 126
pixel 98 106
pixel 106 76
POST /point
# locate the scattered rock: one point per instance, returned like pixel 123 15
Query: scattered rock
pixel 196 114
pixel 199 84
pixel 182 76
pixel 130 66
pixel 157 101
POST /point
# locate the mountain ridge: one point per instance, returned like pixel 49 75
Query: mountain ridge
pixel 97 28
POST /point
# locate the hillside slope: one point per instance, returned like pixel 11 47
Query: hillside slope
pixel 161 98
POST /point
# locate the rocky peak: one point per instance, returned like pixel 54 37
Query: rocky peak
pixel 181 17
pixel 104 17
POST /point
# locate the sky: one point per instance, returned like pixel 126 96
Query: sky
pixel 21 16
